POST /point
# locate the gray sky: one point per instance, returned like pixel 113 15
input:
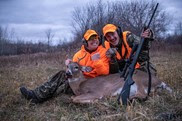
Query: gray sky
pixel 30 18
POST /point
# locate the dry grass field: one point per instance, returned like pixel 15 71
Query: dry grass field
pixel 32 70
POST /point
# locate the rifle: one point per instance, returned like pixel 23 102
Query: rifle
pixel 128 62
pixel 125 92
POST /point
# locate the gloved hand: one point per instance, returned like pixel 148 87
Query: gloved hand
pixel 148 34
pixel 111 52
pixel 87 68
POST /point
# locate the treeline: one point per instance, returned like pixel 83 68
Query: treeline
pixel 9 48
pixel 174 39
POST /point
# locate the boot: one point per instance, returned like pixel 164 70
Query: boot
pixel 29 95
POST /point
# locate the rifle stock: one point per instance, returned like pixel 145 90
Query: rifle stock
pixel 128 79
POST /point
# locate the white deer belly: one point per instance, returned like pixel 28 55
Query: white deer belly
pixel 133 90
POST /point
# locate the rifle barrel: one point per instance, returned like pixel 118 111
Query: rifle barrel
pixel 152 15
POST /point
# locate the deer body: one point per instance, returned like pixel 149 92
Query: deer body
pixel 90 90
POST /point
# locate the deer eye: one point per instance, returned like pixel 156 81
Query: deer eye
pixel 76 67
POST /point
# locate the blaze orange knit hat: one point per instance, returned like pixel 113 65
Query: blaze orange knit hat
pixel 109 28
pixel 89 33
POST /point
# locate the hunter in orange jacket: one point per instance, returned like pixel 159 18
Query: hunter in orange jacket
pixel 125 51
pixel 121 43
pixel 92 55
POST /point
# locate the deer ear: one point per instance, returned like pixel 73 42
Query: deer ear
pixel 68 61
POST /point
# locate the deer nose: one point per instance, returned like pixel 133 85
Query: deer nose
pixel 68 73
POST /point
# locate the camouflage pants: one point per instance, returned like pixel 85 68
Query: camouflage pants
pixel 54 86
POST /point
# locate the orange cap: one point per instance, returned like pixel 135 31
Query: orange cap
pixel 89 33
pixel 109 28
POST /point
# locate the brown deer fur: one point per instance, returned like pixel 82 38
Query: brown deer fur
pixel 90 90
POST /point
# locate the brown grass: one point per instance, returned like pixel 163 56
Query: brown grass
pixel 32 70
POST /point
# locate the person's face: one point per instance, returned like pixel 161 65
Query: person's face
pixel 93 43
pixel 113 38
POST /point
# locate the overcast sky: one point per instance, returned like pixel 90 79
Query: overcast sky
pixel 30 18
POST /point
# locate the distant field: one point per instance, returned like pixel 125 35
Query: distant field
pixel 32 70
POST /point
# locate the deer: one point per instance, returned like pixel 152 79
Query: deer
pixel 90 90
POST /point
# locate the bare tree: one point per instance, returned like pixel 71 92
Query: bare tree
pixel 3 39
pixel 49 34
pixel 134 15
pixel 178 28
pixel 130 15
pixel 89 17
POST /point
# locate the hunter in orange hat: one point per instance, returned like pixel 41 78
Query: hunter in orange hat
pixel 92 55
pixel 119 45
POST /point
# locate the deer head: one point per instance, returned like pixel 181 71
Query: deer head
pixel 74 70
pixel 74 74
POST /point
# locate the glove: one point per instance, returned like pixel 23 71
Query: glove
pixel 87 68
pixel 111 53
pixel 148 34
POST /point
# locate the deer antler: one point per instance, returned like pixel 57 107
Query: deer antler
pixel 79 59
pixel 84 68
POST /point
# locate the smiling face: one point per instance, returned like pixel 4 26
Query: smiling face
pixel 93 43
pixel 113 38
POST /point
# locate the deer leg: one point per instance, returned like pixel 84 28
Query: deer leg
pixel 140 93
pixel 165 86
pixel 86 98
pixel 139 96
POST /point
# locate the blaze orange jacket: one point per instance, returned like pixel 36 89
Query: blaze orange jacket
pixel 100 66
pixel 118 56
